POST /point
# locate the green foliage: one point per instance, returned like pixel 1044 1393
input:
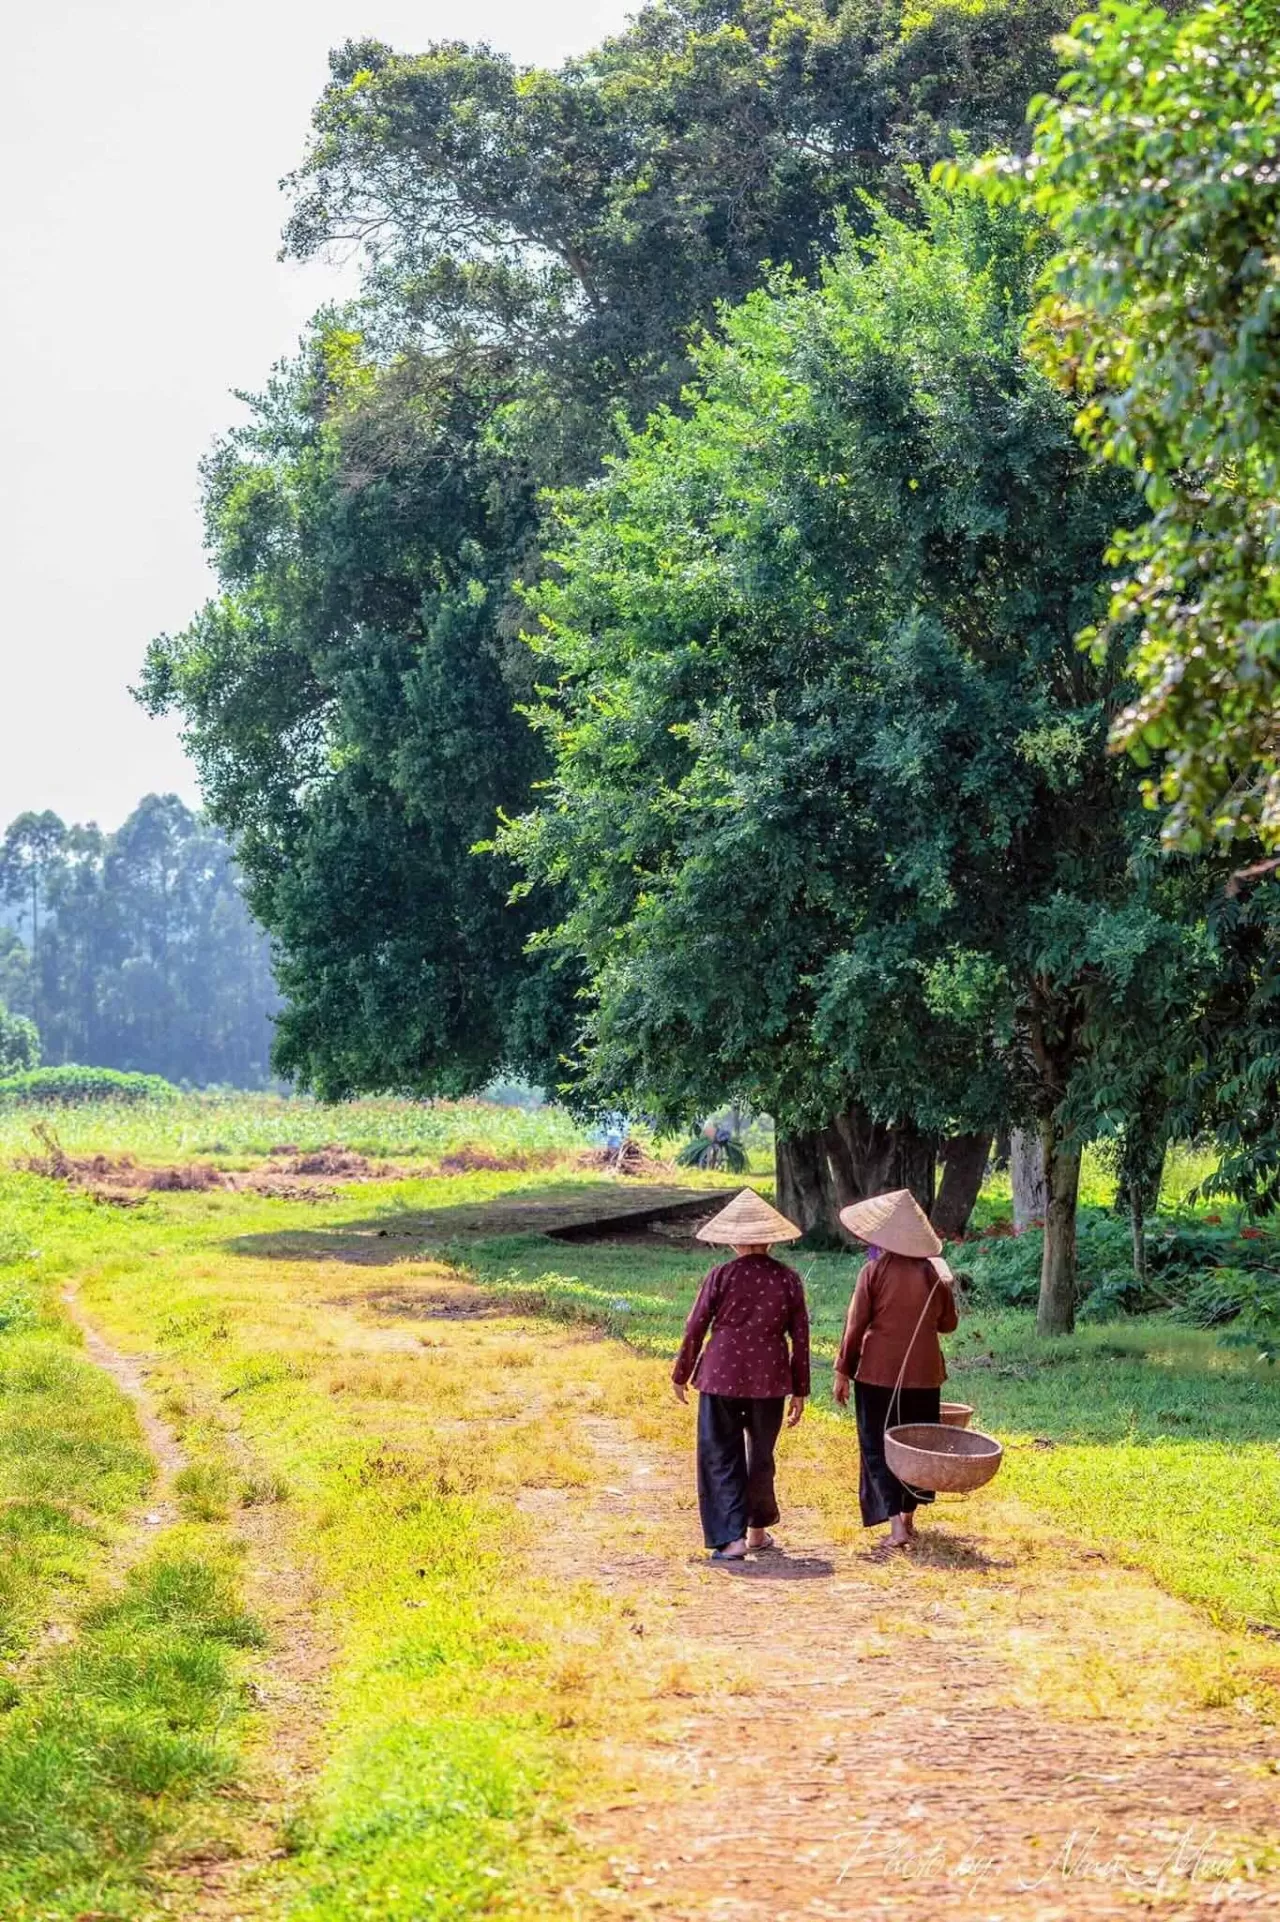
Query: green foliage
pixel 539 247
pixel 701 1153
pixel 19 1043
pixel 72 1086
pixel 1157 169
pixel 15 971
pixel 1207 1275
pixel 832 809
pixel 32 845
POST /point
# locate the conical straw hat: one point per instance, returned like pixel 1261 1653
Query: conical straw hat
pixel 748 1221
pixel 895 1222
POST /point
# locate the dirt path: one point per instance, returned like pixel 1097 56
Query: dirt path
pixel 161 1511
pixel 848 1745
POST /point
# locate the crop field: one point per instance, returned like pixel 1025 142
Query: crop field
pixel 233 1130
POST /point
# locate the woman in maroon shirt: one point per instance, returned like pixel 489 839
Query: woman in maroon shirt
pixel 902 1302
pixel 758 1354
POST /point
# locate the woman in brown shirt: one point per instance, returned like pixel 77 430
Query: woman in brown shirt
pixel 902 1302
pixel 757 1356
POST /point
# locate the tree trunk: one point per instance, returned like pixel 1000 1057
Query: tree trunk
pixel 803 1180
pixel 1138 1223
pixel 1057 1311
pixel 1027 1174
pixel 964 1163
pixel 821 1170
pixel 1143 1148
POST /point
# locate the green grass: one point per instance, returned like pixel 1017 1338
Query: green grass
pixel 1185 1168
pixel 450 1748
pixel 72 1462
pixel 442 1736
pixel 102 1758
pixel 110 1739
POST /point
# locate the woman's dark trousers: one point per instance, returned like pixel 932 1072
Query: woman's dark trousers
pixel 880 1492
pixel 736 1437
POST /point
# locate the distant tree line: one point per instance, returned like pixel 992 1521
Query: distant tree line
pixel 132 950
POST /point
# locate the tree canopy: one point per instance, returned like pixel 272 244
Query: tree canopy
pixel 1159 170
pixel 832 810
pixel 540 246
pixel 19 1043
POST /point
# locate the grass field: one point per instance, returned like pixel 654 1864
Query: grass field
pixel 463 1709
pixel 121 1681
pixel 455 1716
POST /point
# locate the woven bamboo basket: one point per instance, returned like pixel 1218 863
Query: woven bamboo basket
pixel 956 1414
pixel 947 1461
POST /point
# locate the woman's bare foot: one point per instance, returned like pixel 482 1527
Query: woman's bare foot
pixel 731 1552
pixel 758 1538
pixel 899 1533
pixel 909 1522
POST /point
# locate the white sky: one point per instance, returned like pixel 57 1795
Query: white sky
pixel 141 146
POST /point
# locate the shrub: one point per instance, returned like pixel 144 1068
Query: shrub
pixel 1202 1272
pixel 73 1086
pixel 19 1043
pixel 714 1153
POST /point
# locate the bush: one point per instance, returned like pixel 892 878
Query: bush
pixel 73 1086
pixel 19 1043
pixel 1198 1271
pixel 716 1153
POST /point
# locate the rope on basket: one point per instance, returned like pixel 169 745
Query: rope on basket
pixel 897 1387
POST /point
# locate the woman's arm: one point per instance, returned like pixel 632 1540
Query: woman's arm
pixel 856 1324
pixel 695 1331
pixel 948 1313
pixel 798 1330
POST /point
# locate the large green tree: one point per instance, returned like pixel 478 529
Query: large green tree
pixel 1159 170
pixel 832 809
pixel 539 245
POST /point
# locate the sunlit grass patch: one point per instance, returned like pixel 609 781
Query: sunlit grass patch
pixel 404 1466
pixel 417 1822
pixel 112 1739
pixel 204 1491
pixel 72 1462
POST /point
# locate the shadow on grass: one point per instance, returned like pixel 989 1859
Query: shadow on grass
pixel 398 1233
pixel 953 1553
